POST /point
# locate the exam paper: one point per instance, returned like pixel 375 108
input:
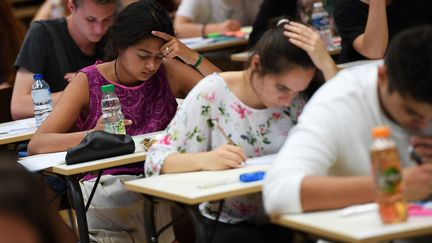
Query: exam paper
pixel 266 159
pixel 43 161
pixel 18 127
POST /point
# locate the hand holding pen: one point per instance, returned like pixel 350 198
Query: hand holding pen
pixel 421 149
pixel 226 156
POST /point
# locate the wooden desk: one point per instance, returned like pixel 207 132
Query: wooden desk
pixel 363 227
pixel 20 130
pixel 183 189
pixel 243 56
pixel 217 45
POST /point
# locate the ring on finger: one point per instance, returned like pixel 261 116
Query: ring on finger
pixel 167 50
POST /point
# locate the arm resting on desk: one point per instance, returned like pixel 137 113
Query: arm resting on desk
pixel 22 103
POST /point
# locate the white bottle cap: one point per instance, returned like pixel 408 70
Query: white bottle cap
pixel 318 5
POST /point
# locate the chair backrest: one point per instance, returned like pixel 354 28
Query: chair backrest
pixel 5 101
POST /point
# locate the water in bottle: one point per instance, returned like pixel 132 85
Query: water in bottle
pixel 386 169
pixel 41 96
pixel 112 115
pixel 320 20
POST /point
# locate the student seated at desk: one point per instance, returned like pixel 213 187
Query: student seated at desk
pixel 201 17
pixel 57 48
pixel 147 79
pixel 254 109
pixel 325 162
pixel 367 26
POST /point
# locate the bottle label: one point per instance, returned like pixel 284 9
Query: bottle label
pixel 117 127
pixel 320 22
pixel 41 96
pixel 121 127
pixel 388 174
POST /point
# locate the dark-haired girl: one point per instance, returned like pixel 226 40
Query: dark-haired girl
pixel 142 64
pixel 255 109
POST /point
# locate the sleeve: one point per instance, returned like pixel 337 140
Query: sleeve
pixel 32 55
pixel 349 19
pixel 189 131
pixel 311 149
pixel 190 8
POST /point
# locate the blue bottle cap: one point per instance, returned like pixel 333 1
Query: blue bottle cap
pixel 37 76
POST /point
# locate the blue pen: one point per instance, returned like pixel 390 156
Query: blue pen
pixel 254 176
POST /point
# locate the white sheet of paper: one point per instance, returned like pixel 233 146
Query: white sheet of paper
pixel 43 161
pixel 266 159
pixel 196 42
pixel 18 127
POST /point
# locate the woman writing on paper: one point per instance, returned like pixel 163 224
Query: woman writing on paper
pixel 254 109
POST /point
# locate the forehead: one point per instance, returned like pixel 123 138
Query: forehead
pixel 296 79
pixel 93 8
pixel 151 44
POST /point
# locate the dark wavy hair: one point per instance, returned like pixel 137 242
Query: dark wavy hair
pixel 277 54
pixel 134 23
pixel 409 64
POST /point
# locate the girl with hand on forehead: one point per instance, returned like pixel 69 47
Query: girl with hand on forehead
pixel 143 65
pixel 231 116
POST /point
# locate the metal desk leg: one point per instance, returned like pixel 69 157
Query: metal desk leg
pixel 195 214
pixel 75 195
pixel 149 226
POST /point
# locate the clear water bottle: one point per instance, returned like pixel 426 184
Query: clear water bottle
pixel 320 20
pixel 41 96
pixel 112 115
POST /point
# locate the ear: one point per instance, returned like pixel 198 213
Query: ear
pixel 255 62
pixel 71 6
pixel 382 76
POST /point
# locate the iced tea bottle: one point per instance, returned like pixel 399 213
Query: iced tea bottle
pixel 386 169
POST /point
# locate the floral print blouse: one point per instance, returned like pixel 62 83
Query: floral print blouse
pixel 258 132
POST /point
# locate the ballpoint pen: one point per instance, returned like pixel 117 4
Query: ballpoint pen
pixel 229 140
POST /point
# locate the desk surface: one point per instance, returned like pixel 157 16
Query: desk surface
pixel 63 169
pixel 364 227
pixel 20 130
pixel 184 187
pixel 138 156
pixel 212 46
pixel 243 56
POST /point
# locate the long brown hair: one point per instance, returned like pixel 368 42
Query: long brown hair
pixel 12 33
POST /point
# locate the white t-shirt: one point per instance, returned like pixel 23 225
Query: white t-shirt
pixel 216 11
pixel 333 137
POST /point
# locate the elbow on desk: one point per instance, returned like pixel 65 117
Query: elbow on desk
pixel 374 53
pixel 18 111
pixel 280 196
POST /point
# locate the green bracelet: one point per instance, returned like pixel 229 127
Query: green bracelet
pixel 198 62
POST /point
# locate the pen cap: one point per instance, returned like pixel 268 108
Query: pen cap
pixel 254 176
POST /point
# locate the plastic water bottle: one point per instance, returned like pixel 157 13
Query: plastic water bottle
pixel 386 168
pixel 41 96
pixel 112 115
pixel 320 20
